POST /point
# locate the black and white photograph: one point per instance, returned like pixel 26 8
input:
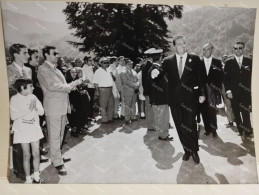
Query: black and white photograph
pixel 116 93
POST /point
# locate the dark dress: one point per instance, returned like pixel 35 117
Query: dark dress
pixel 74 117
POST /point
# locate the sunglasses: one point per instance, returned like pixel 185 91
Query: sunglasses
pixel 105 62
pixel 236 48
pixel 55 53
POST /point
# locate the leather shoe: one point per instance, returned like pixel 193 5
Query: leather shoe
pixel 43 160
pixel 214 134
pixel 38 182
pixel 166 138
pixel 43 152
pixel 66 160
pixel 186 156
pixel 230 124
pixel 61 170
pixel 196 157
pixel 206 133
pixel 127 122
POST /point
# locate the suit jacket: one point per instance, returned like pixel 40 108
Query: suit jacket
pixel 159 88
pixel 129 83
pixel 145 82
pixel 184 91
pixel 55 90
pixel 13 73
pixel 212 81
pixel 238 80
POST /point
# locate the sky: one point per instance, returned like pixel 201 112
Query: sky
pixel 44 10
pixel 47 10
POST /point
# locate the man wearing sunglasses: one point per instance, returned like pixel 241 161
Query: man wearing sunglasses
pixel 103 82
pixel 238 72
pixel 56 103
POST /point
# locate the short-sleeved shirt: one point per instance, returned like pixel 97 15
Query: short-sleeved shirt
pixel 103 78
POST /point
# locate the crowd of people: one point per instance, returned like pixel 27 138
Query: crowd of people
pixel 63 97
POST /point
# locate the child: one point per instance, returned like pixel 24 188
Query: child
pixel 25 109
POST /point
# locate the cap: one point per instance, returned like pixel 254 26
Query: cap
pixel 153 51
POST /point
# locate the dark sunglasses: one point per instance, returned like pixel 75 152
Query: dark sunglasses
pixel 236 48
pixel 55 53
pixel 105 62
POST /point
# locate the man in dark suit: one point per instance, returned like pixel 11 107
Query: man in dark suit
pixel 238 72
pixel 185 91
pixel 211 70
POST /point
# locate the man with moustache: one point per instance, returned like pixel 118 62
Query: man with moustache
pixel 212 76
pixel 238 72
pixel 56 103
pixel 185 91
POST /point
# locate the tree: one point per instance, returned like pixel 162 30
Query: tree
pixel 120 29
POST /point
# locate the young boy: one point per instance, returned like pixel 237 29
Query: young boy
pixel 25 109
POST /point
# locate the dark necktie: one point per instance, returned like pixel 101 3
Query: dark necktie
pixel 180 69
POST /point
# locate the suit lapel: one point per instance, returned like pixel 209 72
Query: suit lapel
pixel 187 66
pixel 61 77
pixel 15 70
pixel 211 67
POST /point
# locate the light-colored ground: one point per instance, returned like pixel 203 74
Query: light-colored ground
pixel 130 154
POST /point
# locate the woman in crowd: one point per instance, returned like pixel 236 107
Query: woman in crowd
pixel 75 101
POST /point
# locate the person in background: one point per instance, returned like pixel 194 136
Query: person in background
pixel 88 73
pixel 159 102
pixel 130 84
pixel 33 64
pixel 211 70
pixel 151 55
pixel 227 102
pixel 25 109
pixel 61 65
pixel 237 80
pixel 20 56
pixel 120 69
pixel 103 85
pixel 116 86
pixel 78 63
pixel 74 117
pixel 85 102
pixel 140 97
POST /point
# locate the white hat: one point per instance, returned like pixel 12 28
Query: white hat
pixel 153 51
pixel 103 59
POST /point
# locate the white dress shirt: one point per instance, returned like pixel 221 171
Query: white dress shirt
pixel 89 74
pixel 121 69
pixel 207 62
pixel 239 60
pixel 103 78
pixel 183 60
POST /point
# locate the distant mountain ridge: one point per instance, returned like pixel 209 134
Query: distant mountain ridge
pixel 220 26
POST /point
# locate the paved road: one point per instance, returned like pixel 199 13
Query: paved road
pixel 130 154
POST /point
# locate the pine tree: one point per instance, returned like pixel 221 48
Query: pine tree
pixel 120 29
